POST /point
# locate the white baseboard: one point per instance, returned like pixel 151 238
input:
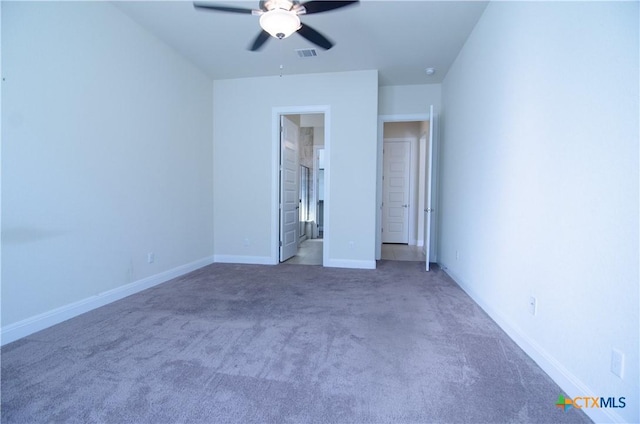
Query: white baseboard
pixel 251 260
pixel 267 260
pixel 20 329
pixel 569 383
pixel 350 263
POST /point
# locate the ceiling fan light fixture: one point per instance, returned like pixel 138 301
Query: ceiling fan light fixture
pixel 280 23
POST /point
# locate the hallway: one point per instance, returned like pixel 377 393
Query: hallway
pixel 401 252
pixel 309 253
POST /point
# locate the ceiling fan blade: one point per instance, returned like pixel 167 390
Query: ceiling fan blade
pixel 262 38
pixel 200 5
pixel 315 37
pixel 314 6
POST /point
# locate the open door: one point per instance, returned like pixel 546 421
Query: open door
pixel 289 191
pixel 428 211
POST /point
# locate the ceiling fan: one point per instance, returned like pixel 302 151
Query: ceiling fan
pixel 280 19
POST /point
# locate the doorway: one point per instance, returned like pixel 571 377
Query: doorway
pixel 301 195
pixel 402 188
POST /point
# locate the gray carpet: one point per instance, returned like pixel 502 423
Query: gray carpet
pixel 281 344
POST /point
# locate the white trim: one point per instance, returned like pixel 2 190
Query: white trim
pixel 350 263
pixel 422 177
pixel 316 155
pixel 434 128
pixel 250 260
pixel 20 329
pixel 569 383
pixel 275 176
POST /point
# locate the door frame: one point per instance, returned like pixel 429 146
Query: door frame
pixel 276 112
pixel 315 199
pixel 382 119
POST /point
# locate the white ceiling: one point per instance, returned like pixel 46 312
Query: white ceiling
pixel 399 38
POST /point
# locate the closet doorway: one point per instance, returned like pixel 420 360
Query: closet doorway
pixel 406 221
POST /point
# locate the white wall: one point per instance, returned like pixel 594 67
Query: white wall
pixel 405 129
pixel 106 156
pixel 318 136
pixel 244 163
pixel 539 186
pixel 312 120
pixel 409 99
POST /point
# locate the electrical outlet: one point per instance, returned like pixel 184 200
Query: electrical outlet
pixel 617 362
pixel 246 242
pixel 457 255
pixel 151 257
pixel 533 305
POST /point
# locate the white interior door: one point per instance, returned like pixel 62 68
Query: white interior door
pixel 428 211
pixel 289 201
pixel 395 191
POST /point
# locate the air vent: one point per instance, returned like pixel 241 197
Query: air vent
pixel 307 52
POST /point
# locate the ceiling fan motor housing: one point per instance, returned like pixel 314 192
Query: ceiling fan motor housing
pixel 280 23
